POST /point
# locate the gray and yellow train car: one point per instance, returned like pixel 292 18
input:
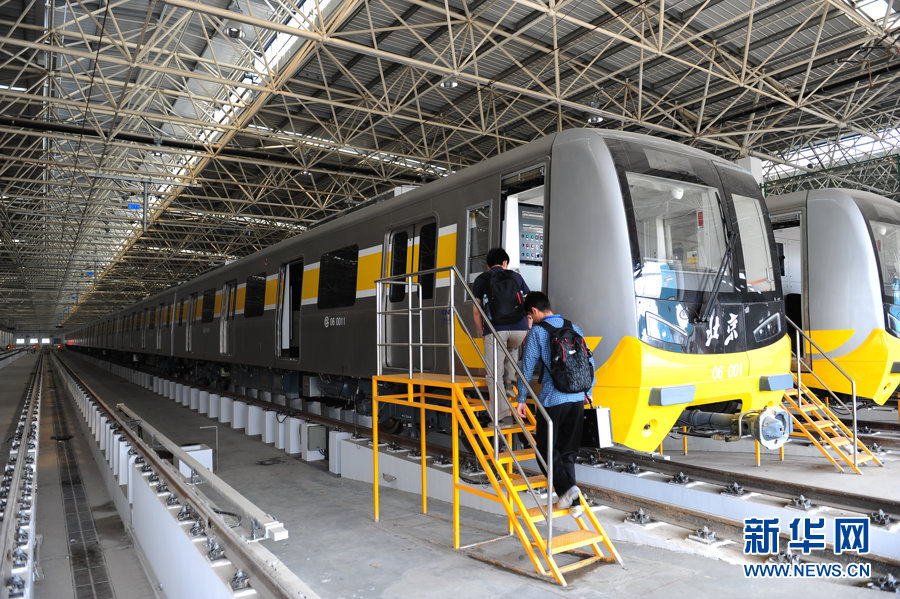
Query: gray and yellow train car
pixel 839 256
pixel 663 254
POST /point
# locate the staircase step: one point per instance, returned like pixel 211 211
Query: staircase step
pixel 839 441
pixel 536 515
pixel 820 423
pixel 520 454
pixel 582 563
pixel 537 481
pixel 506 430
pixel 574 540
pixel 862 458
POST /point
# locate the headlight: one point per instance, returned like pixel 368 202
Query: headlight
pixel 768 328
pixel 661 330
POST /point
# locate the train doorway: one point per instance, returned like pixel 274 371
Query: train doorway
pixel 412 248
pixel 189 327
pixel 226 323
pixel 291 283
pixel 790 264
pixel 523 230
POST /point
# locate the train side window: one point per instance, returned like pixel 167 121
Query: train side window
pixel 255 302
pixel 209 305
pixel 427 258
pixel 478 243
pixel 180 311
pixel 399 255
pixel 337 278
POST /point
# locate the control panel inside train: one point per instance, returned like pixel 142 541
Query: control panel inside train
pixel 524 239
pixel 531 234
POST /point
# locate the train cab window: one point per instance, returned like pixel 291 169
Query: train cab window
pixel 478 230
pixel 758 266
pixel 255 298
pixel 209 305
pixel 427 258
pixel 681 237
pixel 337 278
pixel 399 255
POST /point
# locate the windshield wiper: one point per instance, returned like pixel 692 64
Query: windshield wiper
pixel 707 307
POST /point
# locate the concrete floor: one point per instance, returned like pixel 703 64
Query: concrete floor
pixel 337 548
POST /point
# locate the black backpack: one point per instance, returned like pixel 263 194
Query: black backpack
pixel 570 359
pixel 504 297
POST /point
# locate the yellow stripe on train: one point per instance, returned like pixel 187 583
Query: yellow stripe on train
pixel 871 365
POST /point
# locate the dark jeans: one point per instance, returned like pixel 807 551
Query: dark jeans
pixel 568 423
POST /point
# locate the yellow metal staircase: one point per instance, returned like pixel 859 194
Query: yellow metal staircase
pixel 406 333
pixel 515 489
pixel 814 421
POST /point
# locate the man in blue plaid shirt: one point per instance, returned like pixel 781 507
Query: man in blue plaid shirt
pixel 566 410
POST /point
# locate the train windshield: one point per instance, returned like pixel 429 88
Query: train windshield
pixel 680 236
pixel 702 249
pixel 887 244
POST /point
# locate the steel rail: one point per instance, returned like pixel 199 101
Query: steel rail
pixel 17 529
pixel 779 488
pixel 268 575
pixel 725 528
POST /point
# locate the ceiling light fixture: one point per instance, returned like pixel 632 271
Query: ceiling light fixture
pixel 235 33
pixel 449 83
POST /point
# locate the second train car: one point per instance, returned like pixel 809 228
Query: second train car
pixel 839 261
pixel 662 253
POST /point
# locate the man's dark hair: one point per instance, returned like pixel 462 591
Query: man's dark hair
pixel 496 257
pixel 536 299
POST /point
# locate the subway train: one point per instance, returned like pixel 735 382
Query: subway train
pixel 839 261
pixel 663 254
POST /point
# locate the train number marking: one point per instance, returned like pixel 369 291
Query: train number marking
pixel 335 321
pixel 719 371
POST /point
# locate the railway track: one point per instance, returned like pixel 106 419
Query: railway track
pixel 783 489
pixel 692 519
pixel 257 570
pixel 18 494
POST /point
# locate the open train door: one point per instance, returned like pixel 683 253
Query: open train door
pixel 523 231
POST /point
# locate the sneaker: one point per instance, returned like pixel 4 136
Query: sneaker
pixel 568 498
pixel 510 390
pixel 576 511
pixel 507 421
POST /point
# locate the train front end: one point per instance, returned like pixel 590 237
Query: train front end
pixel 678 289
pixel 875 362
